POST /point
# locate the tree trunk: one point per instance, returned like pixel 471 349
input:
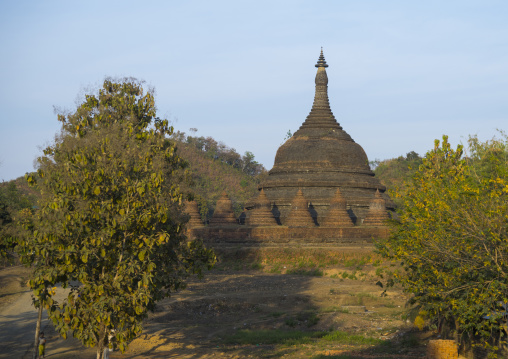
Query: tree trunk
pixel 456 337
pixel 37 330
pixel 100 344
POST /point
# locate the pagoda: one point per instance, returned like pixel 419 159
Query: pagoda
pixel 319 159
pixel 320 191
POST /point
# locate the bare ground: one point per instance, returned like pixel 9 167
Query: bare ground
pixel 204 320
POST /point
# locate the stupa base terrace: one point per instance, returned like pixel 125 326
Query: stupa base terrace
pixel 258 226
pixel 283 236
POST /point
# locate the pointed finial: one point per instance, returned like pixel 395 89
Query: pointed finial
pixel 321 61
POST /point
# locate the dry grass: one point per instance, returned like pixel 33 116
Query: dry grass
pixel 342 263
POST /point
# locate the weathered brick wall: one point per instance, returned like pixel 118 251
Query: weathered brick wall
pixel 282 235
pixel 442 349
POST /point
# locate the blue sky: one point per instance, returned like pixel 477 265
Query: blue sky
pixel 402 73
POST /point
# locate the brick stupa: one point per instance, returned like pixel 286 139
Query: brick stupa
pixel 319 158
pixel 261 214
pixel 191 208
pixel 223 214
pixel 337 215
pixel 299 202
pixel 377 214
pixel 299 216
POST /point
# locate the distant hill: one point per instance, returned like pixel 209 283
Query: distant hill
pixel 215 168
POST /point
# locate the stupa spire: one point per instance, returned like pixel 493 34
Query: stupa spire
pixel 321 116
pixel 321 61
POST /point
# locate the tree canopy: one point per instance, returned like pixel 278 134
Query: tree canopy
pixel 452 237
pixel 110 217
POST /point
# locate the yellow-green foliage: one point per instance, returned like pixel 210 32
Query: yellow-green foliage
pixel 452 237
pixel 420 320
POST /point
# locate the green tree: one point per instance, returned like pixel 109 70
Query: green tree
pixel 110 217
pixel 250 166
pixel 452 238
pixel 287 137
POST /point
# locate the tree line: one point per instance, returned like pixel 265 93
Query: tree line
pixel 219 151
pixel 15 203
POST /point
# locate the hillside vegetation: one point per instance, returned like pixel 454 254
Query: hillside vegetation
pixel 395 172
pixel 214 168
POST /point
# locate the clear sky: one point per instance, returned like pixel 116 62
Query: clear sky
pixel 402 73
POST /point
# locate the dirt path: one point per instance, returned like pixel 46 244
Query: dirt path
pixel 17 315
pixel 18 319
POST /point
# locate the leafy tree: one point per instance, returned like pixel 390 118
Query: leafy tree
pixel 110 217
pixel 250 166
pixel 452 238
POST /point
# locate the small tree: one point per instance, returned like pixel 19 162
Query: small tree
pixel 110 218
pixel 452 238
